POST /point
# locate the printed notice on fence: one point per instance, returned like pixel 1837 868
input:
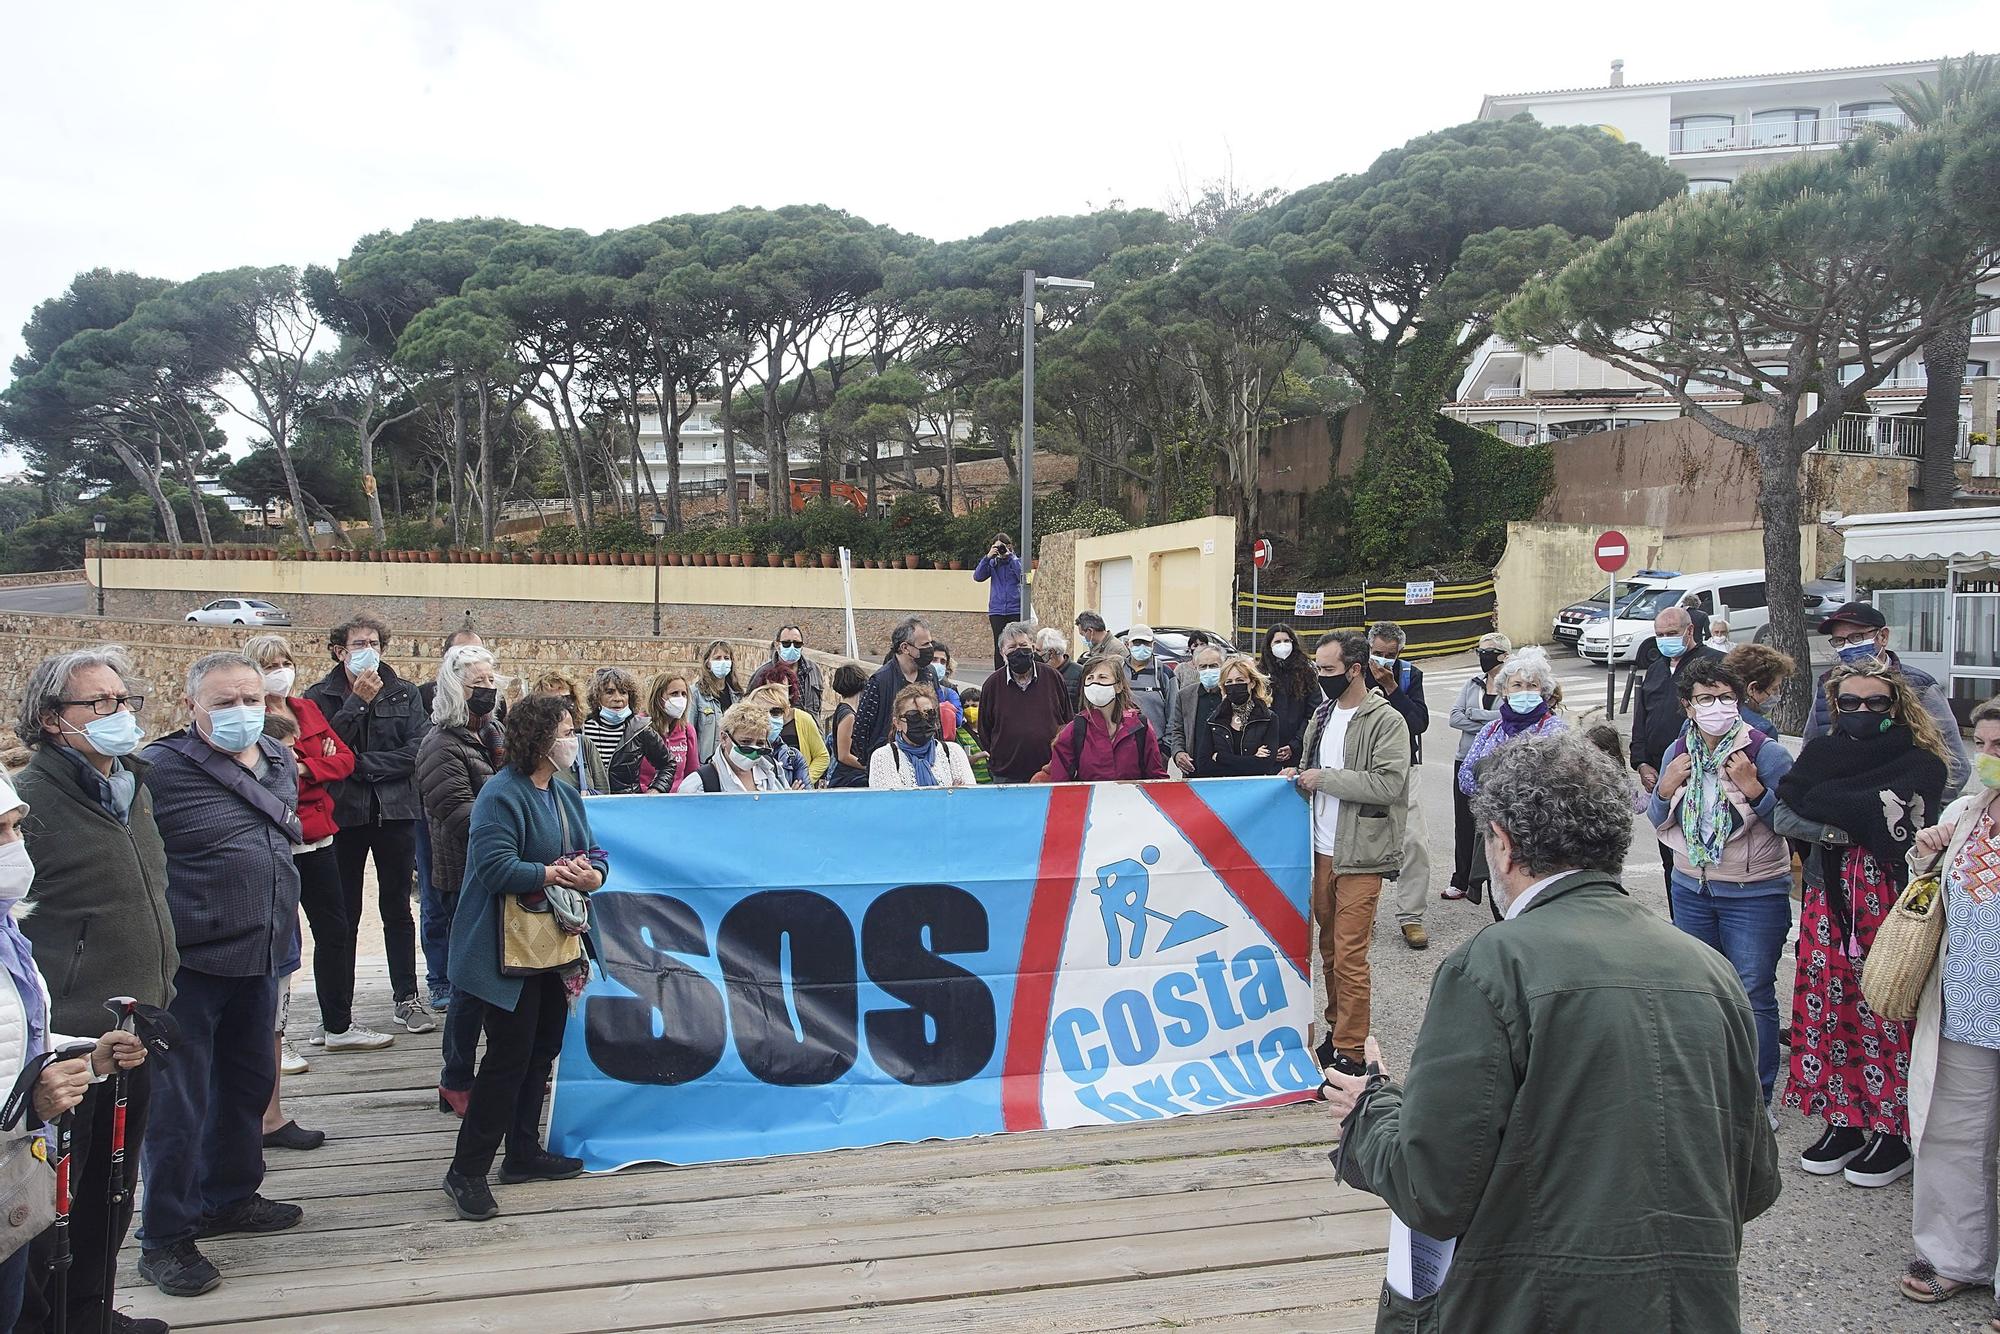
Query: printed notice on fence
pixel 1309 604
pixel 1419 593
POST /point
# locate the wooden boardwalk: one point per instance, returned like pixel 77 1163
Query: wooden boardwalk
pixel 1230 1221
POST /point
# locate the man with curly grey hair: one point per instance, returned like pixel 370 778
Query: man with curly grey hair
pixel 1613 1057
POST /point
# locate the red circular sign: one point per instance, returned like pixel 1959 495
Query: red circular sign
pixel 1261 553
pixel 1613 551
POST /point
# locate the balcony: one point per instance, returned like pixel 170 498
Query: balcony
pixel 1869 435
pixel 1750 134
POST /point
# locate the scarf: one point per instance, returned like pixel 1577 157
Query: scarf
pixel 1494 735
pixel 921 759
pixel 1707 818
pixel 1512 723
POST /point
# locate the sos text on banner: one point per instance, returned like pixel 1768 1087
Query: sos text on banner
pixel 784 973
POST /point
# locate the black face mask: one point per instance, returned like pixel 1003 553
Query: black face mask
pixel 1238 692
pixel 1020 661
pixel 1863 725
pixel 1489 658
pixel 1333 687
pixel 919 727
pixel 925 654
pixel 479 701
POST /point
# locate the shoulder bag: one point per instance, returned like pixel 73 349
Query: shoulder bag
pixel 543 932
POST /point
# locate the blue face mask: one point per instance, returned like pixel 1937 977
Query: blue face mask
pixel 776 728
pixel 789 653
pixel 615 715
pixel 361 660
pixel 1524 701
pixel 115 734
pixel 1144 653
pixel 236 728
pixel 1858 653
pixel 937 670
pixel 1211 677
pixel 1381 661
pixel 1671 646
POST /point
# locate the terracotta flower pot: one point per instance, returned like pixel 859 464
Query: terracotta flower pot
pixel 957 564
pixel 771 558
pixel 910 561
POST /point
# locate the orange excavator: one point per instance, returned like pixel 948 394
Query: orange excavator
pixel 805 492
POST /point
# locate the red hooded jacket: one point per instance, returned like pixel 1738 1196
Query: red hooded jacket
pixel 1133 753
pixel 317 768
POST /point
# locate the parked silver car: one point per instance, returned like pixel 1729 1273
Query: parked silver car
pixel 238 611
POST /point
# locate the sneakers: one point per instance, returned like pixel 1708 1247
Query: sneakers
pixel 471 1197
pixel 318 1039
pixel 289 1060
pixel 179 1270
pixel 125 1324
pixel 356 1038
pixel 255 1214
pixel 440 1001
pixel 1839 1146
pixel 1453 892
pixel 416 1016
pixel 1329 1058
pixel 1415 936
pixel 544 1166
pixel 1886 1159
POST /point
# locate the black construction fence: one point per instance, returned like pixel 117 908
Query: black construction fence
pixel 1439 618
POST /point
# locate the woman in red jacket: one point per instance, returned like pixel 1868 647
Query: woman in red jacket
pixel 1109 740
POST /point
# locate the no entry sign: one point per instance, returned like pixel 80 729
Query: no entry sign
pixel 1612 552
pixel 1261 552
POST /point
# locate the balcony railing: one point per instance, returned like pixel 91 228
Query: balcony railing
pixel 1871 435
pixel 1789 134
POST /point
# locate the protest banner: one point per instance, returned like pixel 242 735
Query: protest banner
pixel 783 973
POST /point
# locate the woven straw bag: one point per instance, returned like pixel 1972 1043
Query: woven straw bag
pixel 1905 949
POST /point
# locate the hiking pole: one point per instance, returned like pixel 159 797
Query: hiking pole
pixel 59 1264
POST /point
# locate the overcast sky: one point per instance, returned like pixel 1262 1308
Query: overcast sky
pixel 183 137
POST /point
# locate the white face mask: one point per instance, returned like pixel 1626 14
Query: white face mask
pixel 563 752
pixel 676 705
pixel 279 680
pixel 1282 649
pixel 1097 694
pixel 17 873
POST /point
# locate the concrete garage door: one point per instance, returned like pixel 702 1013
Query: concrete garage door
pixel 1114 593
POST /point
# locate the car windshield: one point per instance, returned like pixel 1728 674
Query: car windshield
pixel 1650 602
pixel 1627 593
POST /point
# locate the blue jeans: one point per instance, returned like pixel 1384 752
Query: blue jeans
pixel 204 1145
pixel 435 918
pixel 1748 930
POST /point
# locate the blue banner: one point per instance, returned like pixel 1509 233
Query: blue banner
pixel 788 972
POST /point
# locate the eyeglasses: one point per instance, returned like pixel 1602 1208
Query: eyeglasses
pixel 757 752
pixel 1702 701
pixel 1872 703
pixel 791 643
pixel 106 706
pixel 1849 641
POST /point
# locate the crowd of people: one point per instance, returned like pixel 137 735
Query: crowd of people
pixel 176 872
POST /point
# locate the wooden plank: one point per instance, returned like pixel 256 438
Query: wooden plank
pixel 589 1308
pixel 497 1272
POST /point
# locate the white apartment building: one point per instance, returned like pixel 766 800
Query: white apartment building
pixel 702 470
pixel 1712 131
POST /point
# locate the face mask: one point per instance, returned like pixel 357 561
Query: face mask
pixel 563 752
pixel 1720 643
pixel 938 670
pixel 1857 653
pixel 1987 769
pixel 1020 661
pixel 1332 687
pixel 1211 677
pixel 774 728
pixel 117 734
pixel 361 660
pixel 972 714
pixel 1237 692
pixel 741 758
pixel 17 873
pixel 1381 661
pixel 925 654
pixel 1716 718
pixel 719 668
pixel 1489 658
pixel 1142 653
pixel 236 728
pixel 676 705
pixel 278 681
pixel 789 653
pixel 1282 649
pixel 1097 694
pixel 482 700
pixel 1524 701
pixel 1671 646
pixel 615 715
pixel 1862 725
pixel 919 727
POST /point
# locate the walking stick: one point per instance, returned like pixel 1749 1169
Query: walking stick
pixel 19 1103
pixel 157 1029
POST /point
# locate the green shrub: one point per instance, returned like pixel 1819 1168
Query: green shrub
pixel 558 538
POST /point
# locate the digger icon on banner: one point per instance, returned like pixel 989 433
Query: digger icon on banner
pixel 1122 890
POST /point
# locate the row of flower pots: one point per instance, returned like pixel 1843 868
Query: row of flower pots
pixel 799 560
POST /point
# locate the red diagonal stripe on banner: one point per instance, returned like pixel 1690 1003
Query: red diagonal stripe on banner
pixel 1229 859
pixel 1041 956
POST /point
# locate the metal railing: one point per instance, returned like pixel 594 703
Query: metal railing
pixel 1801 133
pixel 1875 436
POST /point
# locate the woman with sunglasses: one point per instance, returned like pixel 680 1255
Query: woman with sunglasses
pixel 745 756
pixel 1859 795
pixel 916 755
pixel 799 749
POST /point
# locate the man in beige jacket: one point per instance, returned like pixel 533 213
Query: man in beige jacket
pixel 1354 768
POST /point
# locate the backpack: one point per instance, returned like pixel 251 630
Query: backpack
pixel 1080 724
pixel 711 780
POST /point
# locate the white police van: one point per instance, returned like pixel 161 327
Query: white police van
pixel 1571 620
pixel 1734 596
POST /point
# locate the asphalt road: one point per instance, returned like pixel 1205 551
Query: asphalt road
pixel 49 599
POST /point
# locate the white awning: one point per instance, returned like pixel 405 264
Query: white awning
pixel 1945 535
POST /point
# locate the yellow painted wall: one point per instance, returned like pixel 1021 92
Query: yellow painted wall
pixel 749 586
pixel 1547 566
pixel 1182 573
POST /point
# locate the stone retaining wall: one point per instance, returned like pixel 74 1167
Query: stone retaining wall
pixel 40 578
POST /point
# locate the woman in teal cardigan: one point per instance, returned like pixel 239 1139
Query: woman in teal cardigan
pixel 528 833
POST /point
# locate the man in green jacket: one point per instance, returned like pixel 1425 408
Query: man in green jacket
pixel 1582 1112
pixel 1354 768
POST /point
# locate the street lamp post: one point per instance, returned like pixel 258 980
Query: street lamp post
pixel 658 525
pixel 97 522
pixel 1029 282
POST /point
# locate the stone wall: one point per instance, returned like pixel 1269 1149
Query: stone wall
pixel 163 651
pixel 38 578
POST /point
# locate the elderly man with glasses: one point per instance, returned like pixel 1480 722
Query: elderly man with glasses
pixel 1859 633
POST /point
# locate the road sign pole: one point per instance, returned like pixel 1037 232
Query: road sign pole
pixel 1610 654
pixel 1255 570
